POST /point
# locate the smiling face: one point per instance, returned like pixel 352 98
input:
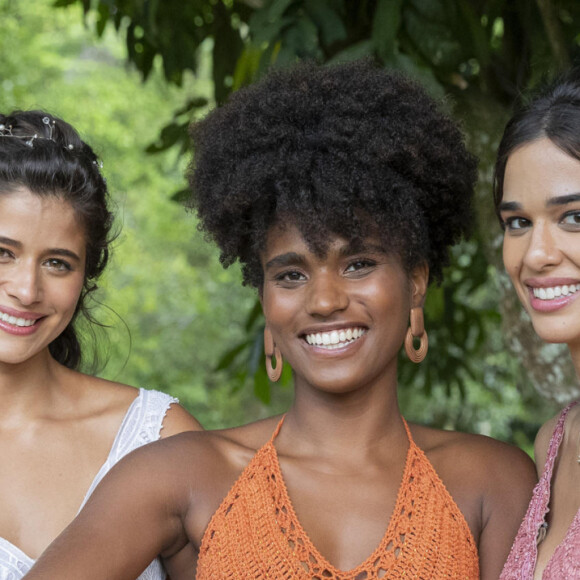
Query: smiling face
pixel 42 265
pixel 338 319
pixel 541 251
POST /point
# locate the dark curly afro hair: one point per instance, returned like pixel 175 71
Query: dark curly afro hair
pixel 347 150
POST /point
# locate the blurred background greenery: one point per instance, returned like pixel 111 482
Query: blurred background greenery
pixel 131 74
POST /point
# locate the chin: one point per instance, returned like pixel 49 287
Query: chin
pixel 558 335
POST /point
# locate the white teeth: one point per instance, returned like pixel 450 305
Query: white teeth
pixel 15 321
pixel 556 291
pixel 335 338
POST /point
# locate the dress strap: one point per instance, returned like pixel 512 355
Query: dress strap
pixel 555 442
pixel 411 440
pixel 277 430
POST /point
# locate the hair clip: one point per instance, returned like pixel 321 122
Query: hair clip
pixel 6 131
pixel 50 123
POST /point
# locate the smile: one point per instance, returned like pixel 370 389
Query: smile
pixel 335 338
pixel 555 291
pixel 15 321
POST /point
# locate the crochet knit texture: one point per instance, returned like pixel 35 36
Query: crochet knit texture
pixel 255 533
pixel 564 564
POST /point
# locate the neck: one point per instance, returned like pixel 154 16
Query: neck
pixel 26 389
pixel 355 423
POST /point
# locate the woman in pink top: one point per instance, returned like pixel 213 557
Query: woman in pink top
pixel 537 197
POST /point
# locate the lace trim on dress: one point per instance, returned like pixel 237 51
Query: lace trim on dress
pixel 141 424
pixel 565 561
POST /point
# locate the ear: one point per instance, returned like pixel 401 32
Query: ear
pixel 419 281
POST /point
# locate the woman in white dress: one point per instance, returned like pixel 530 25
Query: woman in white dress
pixel 60 430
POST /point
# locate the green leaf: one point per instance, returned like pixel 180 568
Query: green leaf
pixel 353 52
pixel 423 74
pixel 169 136
pixel 277 8
pixel 63 3
pixel 386 24
pixel 228 358
pixel 262 388
pixel 256 353
pixel 433 39
pixel 254 315
pixel 247 67
pixel 267 23
pixel 299 41
pixel 103 17
pixel 181 196
pixel 327 20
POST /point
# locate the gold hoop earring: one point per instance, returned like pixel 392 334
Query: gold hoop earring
pixel 272 351
pixel 417 330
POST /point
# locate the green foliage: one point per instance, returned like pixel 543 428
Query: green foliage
pixel 469 51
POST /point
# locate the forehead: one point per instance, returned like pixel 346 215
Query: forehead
pixel 538 171
pixel 47 219
pixel 283 238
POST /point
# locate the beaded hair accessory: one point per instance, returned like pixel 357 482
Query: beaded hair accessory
pixel 6 131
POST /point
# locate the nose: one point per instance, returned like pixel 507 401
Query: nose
pixel 326 295
pixel 24 284
pixel 542 251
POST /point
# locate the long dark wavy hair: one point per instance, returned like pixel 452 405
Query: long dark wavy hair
pixel 47 156
pixel 551 111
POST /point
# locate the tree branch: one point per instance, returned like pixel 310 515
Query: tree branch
pixel 554 32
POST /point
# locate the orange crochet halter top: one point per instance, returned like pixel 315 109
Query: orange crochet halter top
pixel 256 535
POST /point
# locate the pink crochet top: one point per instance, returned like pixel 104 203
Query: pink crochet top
pixel 564 563
pixel 255 533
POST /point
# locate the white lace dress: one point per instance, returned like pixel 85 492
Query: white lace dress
pixel 142 424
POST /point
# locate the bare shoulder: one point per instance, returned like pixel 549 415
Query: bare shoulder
pixel 207 457
pixel 103 398
pixel 96 394
pixel 481 460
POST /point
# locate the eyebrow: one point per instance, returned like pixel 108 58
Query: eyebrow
pixel 351 249
pixel 10 242
pixel 285 260
pixel 509 206
pixel 553 201
pixel 293 258
pixel 564 199
pixel 63 252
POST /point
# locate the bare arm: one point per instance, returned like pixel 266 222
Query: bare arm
pixel 511 478
pixel 135 514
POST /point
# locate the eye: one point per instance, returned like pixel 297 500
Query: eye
pixel 58 265
pixel 290 276
pixel 516 224
pixel 5 255
pixel 360 264
pixel 571 220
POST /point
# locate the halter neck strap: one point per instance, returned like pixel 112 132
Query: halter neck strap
pixel 278 427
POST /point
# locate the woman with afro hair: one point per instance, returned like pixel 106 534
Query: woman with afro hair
pixel 340 190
